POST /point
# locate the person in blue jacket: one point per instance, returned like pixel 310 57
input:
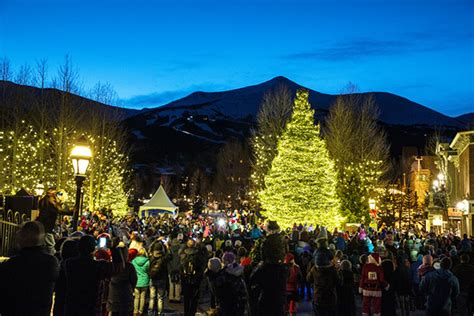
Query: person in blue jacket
pixel 441 287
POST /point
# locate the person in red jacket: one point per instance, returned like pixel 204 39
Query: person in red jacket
pixel 294 278
pixel 371 283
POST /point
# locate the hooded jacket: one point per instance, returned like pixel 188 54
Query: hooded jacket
pixel 325 280
pixel 27 283
pixel 465 274
pixel 142 266
pixel 440 287
pixel 174 264
pixel 120 298
pixel 270 278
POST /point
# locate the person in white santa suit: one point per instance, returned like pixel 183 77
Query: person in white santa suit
pixel 371 284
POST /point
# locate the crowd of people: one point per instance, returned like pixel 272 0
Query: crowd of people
pixel 142 266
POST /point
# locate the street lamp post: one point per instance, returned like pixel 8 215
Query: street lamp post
pixel 441 195
pixel 81 155
pixel 373 213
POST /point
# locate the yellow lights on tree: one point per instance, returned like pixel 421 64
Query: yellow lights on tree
pixel 300 186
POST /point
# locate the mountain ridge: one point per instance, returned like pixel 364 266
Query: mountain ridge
pixel 245 101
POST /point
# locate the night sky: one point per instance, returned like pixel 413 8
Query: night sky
pixel 155 51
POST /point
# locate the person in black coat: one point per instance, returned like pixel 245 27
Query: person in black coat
pixel 27 280
pixel 83 275
pixel 345 290
pixel 50 206
pixel 388 295
pixel 68 250
pixel 465 274
pixel 325 280
pixel 402 284
pixel 193 265
pixel 270 278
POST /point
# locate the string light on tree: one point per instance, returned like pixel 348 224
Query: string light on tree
pixel 300 186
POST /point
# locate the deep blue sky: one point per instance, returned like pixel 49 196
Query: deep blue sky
pixel 155 51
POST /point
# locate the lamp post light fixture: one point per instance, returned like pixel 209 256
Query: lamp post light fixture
pixel 81 155
pixel 463 206
pixel 441 177
pixel 440 199
pixel 372 204
pixel 373 213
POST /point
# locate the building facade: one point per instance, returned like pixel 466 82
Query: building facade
pixel 462 173
pixel 457 162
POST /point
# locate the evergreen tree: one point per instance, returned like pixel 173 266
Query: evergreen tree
pixel 300 186
pixel 110 167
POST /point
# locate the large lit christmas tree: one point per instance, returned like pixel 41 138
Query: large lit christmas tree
pixel 301 184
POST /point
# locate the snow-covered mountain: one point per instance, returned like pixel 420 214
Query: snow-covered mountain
pixel 216 116
pixel 244 102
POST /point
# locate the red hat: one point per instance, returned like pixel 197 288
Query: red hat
pixel 132 253
pixel 246 261
pixel 289 257
pixel 375 258
pixel 102 254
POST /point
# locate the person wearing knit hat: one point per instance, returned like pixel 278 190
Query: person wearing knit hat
pixel 215 277
pixel 214 265
pixel 228 258
pixel 289 258
pixel 440 287
pixel 102 254
pixel 372 281
pixel 375 258
pixel 273 246
pixel 322 255
pixel 413 255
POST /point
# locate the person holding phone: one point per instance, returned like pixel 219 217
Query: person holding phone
pixel 50 206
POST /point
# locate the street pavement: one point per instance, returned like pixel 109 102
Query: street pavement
pixel 304 308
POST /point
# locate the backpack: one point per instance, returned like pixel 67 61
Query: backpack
pixel 156 267
pixel 236 292
pixel 188 268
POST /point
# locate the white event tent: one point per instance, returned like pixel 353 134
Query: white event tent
pixel 159 201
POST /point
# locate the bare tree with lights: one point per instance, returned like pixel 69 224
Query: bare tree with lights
pixel 271 120
pixel 359 147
